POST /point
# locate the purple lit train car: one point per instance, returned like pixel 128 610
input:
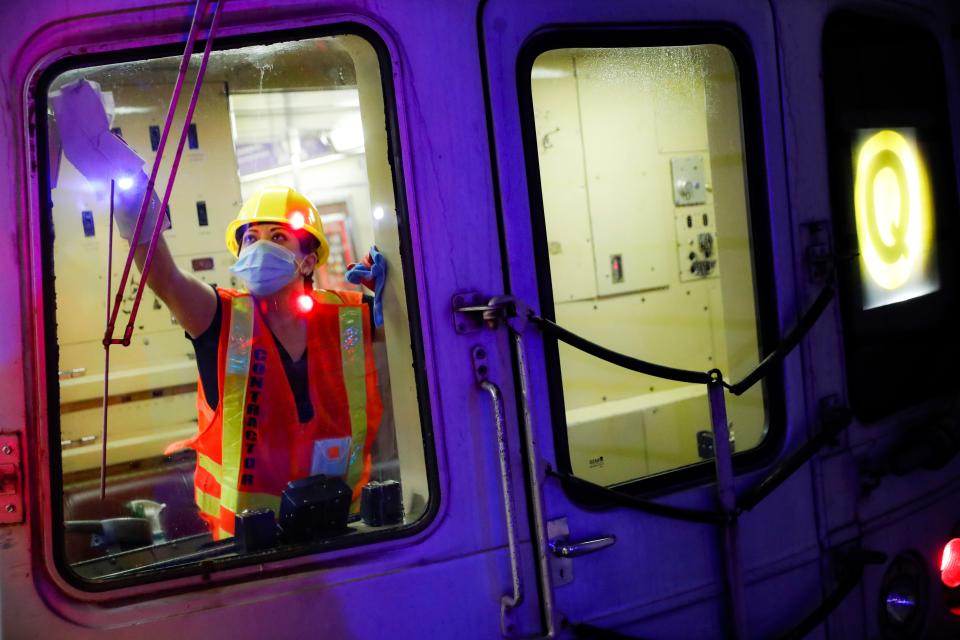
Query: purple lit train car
pixel 483 320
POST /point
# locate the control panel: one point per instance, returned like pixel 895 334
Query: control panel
pixel 696 243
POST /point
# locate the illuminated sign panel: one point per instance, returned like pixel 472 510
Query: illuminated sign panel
pixel 894 219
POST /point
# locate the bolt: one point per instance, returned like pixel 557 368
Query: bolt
pixel 10 508
pixel 7 449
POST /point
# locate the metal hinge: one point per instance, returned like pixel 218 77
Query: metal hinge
pixel 78 442
pixel 817 253
pixel 11 494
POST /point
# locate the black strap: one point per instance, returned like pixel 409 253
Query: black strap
pixel 852 574
pixel 782 350
pixel 791 340
pixel 833 420
pixel 619 359
pixel 598 492
pixel 590 632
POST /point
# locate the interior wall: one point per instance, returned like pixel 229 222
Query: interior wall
pixel 610 125
pixel 737 331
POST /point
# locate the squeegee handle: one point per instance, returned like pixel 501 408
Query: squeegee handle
pixel 158 226
pixel 141 217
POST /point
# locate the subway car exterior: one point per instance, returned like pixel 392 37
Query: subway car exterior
pixel 669 333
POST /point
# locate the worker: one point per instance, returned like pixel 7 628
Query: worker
pixel 287 379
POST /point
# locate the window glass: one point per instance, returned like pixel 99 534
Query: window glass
pixel 644 198
pixel 261 404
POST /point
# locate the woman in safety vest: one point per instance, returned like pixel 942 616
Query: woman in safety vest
pixel 288 385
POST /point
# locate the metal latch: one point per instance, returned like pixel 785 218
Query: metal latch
pixel 11 494
pixel 563 550
pixel 563 547
pixel 471 314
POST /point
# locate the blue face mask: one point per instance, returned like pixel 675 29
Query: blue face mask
pixel 265 267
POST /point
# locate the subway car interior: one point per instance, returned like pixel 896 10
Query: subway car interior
pixel 481 319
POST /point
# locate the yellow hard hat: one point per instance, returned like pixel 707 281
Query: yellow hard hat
pixel 281 205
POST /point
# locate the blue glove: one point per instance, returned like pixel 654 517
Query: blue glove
pixel 371 273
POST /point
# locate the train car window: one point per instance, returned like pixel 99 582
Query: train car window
pixel 268 403
pixel 893 191
pixel 641 170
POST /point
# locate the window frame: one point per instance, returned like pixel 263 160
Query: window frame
pixel 306 553
pixel 758 220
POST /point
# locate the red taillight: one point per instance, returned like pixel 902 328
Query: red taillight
pixel 305 303
pixel 950 564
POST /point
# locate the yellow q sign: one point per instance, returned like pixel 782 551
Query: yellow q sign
pixel 892 206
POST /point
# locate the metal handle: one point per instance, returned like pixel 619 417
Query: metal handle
pixel 507 602
pixel 563 548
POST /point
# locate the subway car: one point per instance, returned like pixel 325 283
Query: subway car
pixel 663 341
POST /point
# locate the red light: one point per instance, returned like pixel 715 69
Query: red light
pixel 305 303
pixel 950 564
pixel 296 220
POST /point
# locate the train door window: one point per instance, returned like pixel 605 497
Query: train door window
pixel 238 438
pixel 647 239
pixel 893 191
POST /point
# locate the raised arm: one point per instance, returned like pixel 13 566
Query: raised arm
pixel 191 301
pixel 101 156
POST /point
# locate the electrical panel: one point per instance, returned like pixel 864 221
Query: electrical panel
pixel 689 184
pixel 159 363
pixel 697 253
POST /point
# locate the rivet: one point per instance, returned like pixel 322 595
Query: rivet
pixel 10 508
pixel 7 449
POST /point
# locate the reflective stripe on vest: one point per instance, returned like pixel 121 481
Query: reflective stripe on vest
pixel 234 396
pixel 353 356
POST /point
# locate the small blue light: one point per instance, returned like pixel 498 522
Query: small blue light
pixel 903 601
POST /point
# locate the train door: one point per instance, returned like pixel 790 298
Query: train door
pixel 356 115
pixel 883 103
pixel 642 202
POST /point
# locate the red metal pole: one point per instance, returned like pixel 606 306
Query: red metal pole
pixel 106 356
pixel 184 65
pixel 155 237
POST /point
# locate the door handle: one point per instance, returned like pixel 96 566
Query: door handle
pixel 563 548
pixel 507 602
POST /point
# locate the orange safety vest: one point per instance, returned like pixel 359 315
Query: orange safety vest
pixel 253 444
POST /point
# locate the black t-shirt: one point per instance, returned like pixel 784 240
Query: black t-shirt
pixel 207 345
